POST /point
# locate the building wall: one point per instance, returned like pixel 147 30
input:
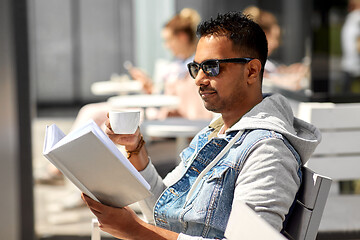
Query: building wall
pixel 77 42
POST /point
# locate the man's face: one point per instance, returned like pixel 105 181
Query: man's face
pixel 227 91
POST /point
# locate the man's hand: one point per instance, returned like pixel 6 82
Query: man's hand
pixel 131 142
pixel 139 75
pixel 123 223
pixel 120 222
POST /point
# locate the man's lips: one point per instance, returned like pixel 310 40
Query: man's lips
pixel 206 93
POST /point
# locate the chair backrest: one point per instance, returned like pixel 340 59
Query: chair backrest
pixel 338 154
pixel 304 221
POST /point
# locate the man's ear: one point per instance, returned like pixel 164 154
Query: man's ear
pixel 254 69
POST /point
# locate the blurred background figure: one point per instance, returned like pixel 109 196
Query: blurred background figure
pixel 179 35
pixel 291 77
pixel 179 38
pixel 350 44
pixel 173 79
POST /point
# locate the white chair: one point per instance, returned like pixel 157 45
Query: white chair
pixel 304 221
pixel 337 156
pixel 95 230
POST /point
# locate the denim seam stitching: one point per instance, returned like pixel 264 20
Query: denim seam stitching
pixel 211 208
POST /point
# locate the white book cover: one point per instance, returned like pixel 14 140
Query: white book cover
pixel 90 160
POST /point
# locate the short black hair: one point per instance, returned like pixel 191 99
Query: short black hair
pixel 246 35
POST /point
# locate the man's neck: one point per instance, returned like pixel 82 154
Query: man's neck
pixel 229 121
pixel 233 117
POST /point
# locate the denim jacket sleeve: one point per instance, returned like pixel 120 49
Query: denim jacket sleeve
pixel 158 185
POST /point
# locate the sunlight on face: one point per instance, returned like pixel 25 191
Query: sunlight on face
pixel 226 91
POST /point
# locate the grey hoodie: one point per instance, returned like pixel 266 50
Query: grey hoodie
pixel 267 184
pixel 274 113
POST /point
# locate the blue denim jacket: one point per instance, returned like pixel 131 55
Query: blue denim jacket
pixel 207 211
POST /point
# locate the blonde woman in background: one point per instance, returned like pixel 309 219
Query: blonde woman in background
pixel 179 35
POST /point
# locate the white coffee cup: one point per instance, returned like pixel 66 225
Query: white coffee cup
pixel 124 122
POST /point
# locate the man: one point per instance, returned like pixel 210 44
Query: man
pixel 252 153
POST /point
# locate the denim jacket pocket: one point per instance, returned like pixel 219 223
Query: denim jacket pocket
pixel 211 190
pixel 217 173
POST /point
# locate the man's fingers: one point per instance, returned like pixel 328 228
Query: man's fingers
pixel 95 207
pixel 107 124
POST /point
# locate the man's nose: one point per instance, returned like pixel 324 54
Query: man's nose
pixel 201 78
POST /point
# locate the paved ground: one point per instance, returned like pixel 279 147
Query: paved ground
pixel 53 218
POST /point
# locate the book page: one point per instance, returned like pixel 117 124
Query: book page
pixel 76 133
pixel 53 135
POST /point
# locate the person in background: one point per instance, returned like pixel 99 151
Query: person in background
pixel 252 153
pixel 179 35
pixel 350 43
pixel 290 77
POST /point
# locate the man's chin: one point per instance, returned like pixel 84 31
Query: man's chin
pixel 211 108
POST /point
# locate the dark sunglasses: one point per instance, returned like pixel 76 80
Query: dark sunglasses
pixel 211 67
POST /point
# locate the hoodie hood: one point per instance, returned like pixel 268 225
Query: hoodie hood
pixel 275 113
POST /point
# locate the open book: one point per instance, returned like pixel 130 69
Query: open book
pixel 90 160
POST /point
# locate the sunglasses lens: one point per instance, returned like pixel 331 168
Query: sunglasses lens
pixel 211 68
pixel 193 69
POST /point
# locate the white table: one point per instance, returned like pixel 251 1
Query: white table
pixel 180 128
pixel 143 101
pixel 116 87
